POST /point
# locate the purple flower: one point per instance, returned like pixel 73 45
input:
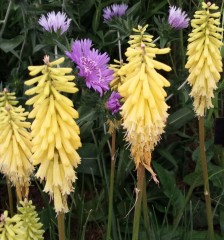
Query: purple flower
pixel 115 10
pixel 113 103
pixel 92 65
pixel 55 22
pixel 178 19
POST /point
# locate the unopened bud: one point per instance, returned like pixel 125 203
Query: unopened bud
pixel 46 59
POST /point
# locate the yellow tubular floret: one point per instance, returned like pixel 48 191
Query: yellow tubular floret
pixel 204 58
pixel 144 111
pixel 15 143
pixel 54 131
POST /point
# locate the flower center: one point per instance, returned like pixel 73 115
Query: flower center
pixel 91 66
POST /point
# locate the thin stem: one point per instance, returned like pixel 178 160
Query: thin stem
pixel 119 45
pixel 111 193
pixel 61 226
pixel 6 18
pixel 205 178
pixel 182 53
pixel 10 196
pixel 145 208
pixel 137 214
pixel 156 40
pixel 180 214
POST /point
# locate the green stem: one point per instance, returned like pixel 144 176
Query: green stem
pixel 205 178
pixel 61 226
pixel 110 214
pixel 10 196
pixel 145 209
pixel 6 18
pixel 138 203
pixel 182 50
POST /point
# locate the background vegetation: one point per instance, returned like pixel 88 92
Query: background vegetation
pixel 175 208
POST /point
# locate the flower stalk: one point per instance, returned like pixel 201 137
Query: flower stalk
pixel 138 203
pixel 205 179
pixel 61 226
pixel 111 193
pixel 9 189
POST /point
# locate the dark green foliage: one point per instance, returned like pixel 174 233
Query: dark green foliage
pixel 176 206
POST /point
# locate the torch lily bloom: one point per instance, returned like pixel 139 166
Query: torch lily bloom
pixel 204 58
pixel 55 134
pixel 15 143
pixel 144 110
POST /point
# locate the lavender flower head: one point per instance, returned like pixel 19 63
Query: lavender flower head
pixel 92 65
pixel 178 19
pixel 113 103
pixel 55 22
pixel 115 10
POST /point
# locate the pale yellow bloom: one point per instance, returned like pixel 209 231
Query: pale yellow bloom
pixel 144 110
pixel 204 58
pixel 15 143
pixel 55 134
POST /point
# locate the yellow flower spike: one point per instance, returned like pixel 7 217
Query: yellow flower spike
pixel 31 221
pixel 12 228
pixel 15 142
pixel 204 58
pixel 144 110
pixel 54 131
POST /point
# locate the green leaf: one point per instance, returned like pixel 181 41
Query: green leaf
pixel 134 9
pixel 170 189
pixel 85 114
pixel 38 47
pixel 88 154
pixel 194 178
pixel 179 118
pixel 167 155
pixel 96 19
pixel 221 220
pixel 208 149
pixel 8 45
